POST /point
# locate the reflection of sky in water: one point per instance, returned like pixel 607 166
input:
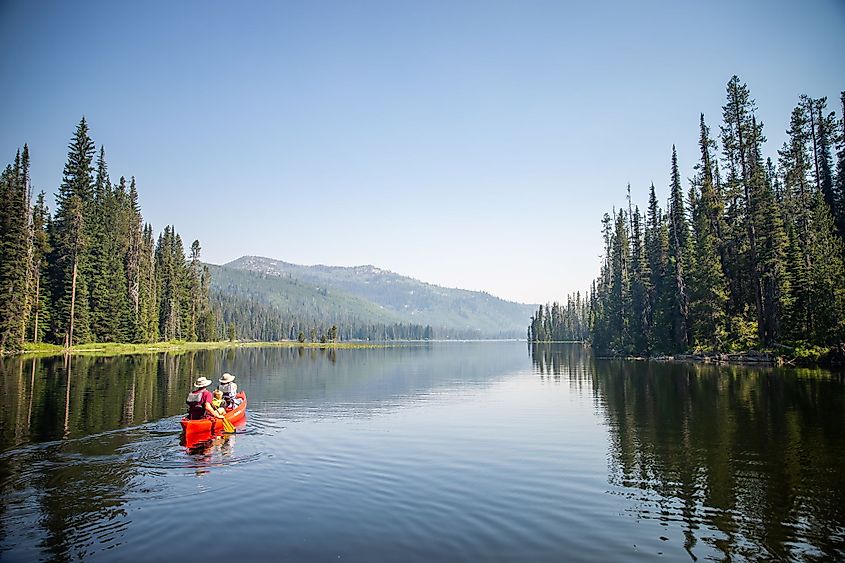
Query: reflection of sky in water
pixel 450 451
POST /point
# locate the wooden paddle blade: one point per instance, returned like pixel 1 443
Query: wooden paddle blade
pixel 227 426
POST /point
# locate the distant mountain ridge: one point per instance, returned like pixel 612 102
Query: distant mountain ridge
pixel 393 296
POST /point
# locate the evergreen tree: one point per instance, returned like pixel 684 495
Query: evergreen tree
pixel 657 255
pixel 640 286
pixel 40 316
pixel 756 259
pixel 170 260
pixel 134 237
pixel 839 186
pixel 14 255
pixel 678 256
pixel 69 240
pixel 740 133
pixel 148 299
pixel 827 278
pixel 92 271
pixel 620 286
pixel 773 248
pixel 825 125
pixel 708 288
pixel 795 168
pixel 102 322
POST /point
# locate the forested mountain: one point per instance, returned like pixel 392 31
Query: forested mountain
pixel 93 271
pixel 750 254
pixel 370 293
pixel 268 307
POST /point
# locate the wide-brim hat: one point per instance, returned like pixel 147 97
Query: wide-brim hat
pixel 227 378
pixel 202 382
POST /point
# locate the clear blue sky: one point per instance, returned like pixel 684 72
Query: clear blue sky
pixel 472 144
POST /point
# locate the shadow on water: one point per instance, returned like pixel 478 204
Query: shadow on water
pixel 747 460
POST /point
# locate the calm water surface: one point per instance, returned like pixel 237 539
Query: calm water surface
pixel 454 451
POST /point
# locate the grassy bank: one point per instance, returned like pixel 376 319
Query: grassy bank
pixel 121 349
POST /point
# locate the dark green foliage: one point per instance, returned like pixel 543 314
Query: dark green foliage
pixel 69 239
pixel 839 185
pixel 640 284
pixel 109 302
pixel 93 270
pixel 271 308
pixel 657 256
pixel 148 301
pixel 373 294
pixel 40 297
pixel 679 256
pixel 756 260
pixel 558 323
pixel 707 288
pixel 14 251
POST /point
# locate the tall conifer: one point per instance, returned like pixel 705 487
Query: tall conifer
pixel 678 254
pixel 69 240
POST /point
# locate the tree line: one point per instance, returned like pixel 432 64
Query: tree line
pixel 751 254
pixel 92 271
pixel 251 317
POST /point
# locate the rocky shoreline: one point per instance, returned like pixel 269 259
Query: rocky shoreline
pixel 833 357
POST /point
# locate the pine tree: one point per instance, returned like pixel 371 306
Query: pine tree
pixel 14 254
pixel 620 286
pixel 795 168
pixel 208 320
pixel 827 278
pixel 657 255
pixel 69 240
pixel 640 286
pixel 134 236
pixel 739 128
pixel 773 274
pixel 825 126
pixel 758 258
pixel 101 319
pixel 168 280
pixel 194 296
pixel 708 288
pixel 839 185
pixel 678 255
pixel 148 299
pixel 40 317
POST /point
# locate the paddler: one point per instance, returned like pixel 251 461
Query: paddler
pixel 229 389
pixel 199 401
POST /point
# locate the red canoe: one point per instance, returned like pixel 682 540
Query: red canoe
pixel 212 424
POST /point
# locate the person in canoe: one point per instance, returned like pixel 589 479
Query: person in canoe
pixel 219 403
pixel 229 389
pixel 199 401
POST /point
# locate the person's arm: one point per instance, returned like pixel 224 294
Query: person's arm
pixel 211 410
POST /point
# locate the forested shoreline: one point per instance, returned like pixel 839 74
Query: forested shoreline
pixel 93 271
pixel 750 255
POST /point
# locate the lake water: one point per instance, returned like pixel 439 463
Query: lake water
pixel 488 451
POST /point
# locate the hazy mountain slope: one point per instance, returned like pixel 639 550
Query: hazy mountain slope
pixel 412 300
pixel 295 297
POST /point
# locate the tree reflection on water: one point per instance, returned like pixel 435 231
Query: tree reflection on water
pixel 748 460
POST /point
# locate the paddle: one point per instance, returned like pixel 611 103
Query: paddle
pixel 227 426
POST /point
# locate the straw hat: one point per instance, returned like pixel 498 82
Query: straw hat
pixel 202 382
pixel 227 378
